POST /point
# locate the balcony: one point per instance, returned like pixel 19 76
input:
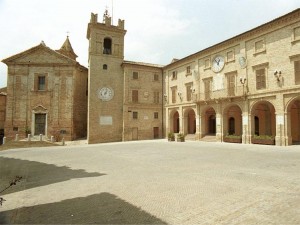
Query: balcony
pixel 223 94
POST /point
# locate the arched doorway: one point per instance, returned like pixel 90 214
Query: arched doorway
pixel 174 122
pixel 232 118
pixel 263 119
pixel 190 121
pixel 210 121
pixel 293 125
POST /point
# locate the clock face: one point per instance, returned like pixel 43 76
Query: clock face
pixel 243 62
pixel 218 63
pixel 105 94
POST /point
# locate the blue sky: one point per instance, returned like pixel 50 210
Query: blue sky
pixel 157 30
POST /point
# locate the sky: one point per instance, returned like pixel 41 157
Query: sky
pixel 157 30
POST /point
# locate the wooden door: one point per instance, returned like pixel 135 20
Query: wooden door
pixel 40 124
pixel 155 132
pixel 135 133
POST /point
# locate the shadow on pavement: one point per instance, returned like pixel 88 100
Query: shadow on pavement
pixel 35 174
pixel 103 208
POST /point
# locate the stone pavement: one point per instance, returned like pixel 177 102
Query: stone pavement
pixel 154 182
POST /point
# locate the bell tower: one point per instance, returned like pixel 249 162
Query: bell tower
pixel 105 79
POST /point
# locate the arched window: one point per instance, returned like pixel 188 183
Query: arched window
pixel 231 128
pixel 107 46
pixel 104 66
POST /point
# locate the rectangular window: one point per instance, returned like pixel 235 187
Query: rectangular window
pixel 231 84
pixel 155 77
pixel 135 115
pixel 135 75
pixel 174 75
pixel 188 70
pixel 174 93
pixel 156 97
pixel 297 72
pixel 207 63
pixel 41 83
pixel 188 92
pixel 297 33
pixel 260 79
pixel 207 89
pixel 155 115
pixel 230 56
pixel 135 96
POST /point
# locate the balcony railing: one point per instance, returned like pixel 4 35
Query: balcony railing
pixel 220 94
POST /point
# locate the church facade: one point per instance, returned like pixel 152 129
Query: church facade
pixel 245 89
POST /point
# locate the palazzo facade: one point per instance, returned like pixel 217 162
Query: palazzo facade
pixel 247 86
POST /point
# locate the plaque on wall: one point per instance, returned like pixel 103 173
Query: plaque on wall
pixel 106 120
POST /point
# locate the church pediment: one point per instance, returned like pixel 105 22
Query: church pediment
pixel 39 109
pixel 40 54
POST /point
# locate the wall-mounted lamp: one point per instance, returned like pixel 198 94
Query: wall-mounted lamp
pixel 277 74
pixel 180 95
pixel 166 97
pixel 193 90
pixel 243 80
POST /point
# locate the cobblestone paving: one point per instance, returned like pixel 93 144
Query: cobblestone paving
pixel 179 183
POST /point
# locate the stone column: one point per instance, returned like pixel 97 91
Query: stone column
pixel 280 138
pixel 219 127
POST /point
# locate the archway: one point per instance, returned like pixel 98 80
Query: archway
pixel 232 120
pixel 190 121
pixel 210 121
pixel 263 119
pixel 174 122
pixel 293 117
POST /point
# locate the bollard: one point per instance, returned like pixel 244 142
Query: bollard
pixel 29 137
pixel 63 141
pixel 52 139
pixel 17 137
pixel 41 137
pixel 4 140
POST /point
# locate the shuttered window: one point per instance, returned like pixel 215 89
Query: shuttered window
pixel 297 72
pixel 174 92
pixel 260 79
pixel 156 97
pixel 135 96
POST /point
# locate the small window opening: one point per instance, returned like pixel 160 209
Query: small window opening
pixel 107 46
pixel 105 67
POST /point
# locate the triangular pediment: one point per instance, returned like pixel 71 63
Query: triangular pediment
pixel 40 54
pixel 39 108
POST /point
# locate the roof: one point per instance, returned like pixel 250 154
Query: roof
pixel 142 64
pixel 67 50
pixel 35 48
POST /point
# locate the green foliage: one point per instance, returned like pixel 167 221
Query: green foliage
pixel 264 137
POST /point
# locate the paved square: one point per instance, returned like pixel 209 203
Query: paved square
pixel 162 182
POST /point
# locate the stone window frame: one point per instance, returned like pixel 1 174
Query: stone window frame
pixel 293 59
pixel 263 50
pixel 233 56
pixel 189 91
pixel 294 38
pixel 156 95
pixel 156 115
pixel 188 71
pixel 297 72
pixel 135 96
pixel 207 63
pixel 260 67
pixel 174 75
pixel 37 77
pixel 174 94
pixel 155 77
pixel 135 115
pixel 135 75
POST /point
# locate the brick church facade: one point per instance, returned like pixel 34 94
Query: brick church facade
pixel 244 89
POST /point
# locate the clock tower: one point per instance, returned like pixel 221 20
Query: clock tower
pixel 105 80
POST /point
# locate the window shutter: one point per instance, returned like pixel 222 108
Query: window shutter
pixel 135 95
